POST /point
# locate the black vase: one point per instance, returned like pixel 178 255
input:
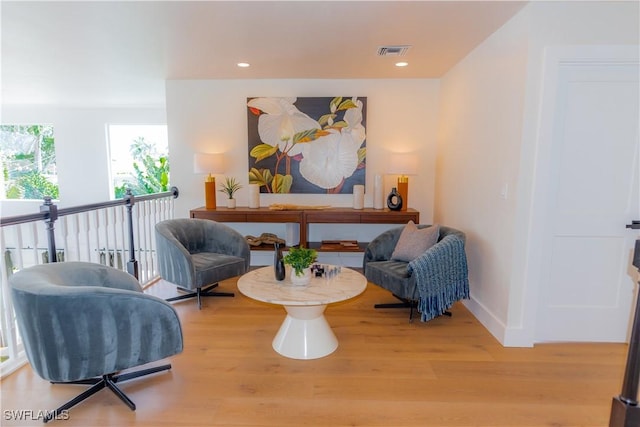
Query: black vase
pixel 278 263
pixel 394 200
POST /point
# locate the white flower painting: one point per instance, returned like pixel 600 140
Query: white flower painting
pixel 307 145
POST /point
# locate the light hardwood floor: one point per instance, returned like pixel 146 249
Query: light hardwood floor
pixel 385 372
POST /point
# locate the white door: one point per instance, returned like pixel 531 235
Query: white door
pixel 587 289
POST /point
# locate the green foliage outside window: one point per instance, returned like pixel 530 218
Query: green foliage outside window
pixel 151 170
pixel 28 160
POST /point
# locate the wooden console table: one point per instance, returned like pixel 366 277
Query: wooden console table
pixel 304 217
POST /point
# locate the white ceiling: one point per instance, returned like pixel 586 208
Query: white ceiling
pixel 105 53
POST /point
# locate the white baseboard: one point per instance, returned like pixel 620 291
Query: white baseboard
pixel 487 318
pixel 508 337
pixel 517 337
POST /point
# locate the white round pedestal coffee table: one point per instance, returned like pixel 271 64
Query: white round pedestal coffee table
pixel 305 333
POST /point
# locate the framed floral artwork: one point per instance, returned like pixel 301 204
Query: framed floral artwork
pixel 307 145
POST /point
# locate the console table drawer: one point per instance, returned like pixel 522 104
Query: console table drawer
pixel 219 216
pixel 273 216
pixel 339 216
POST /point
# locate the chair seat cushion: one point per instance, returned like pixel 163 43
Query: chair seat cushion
pixel 213 267
pixel 393 276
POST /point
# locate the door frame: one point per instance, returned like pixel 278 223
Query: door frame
pixel 554 58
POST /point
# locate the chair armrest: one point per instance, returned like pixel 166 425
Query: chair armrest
pixel 90 274
pixel 174 261
pixel 75 274
pixel 441 276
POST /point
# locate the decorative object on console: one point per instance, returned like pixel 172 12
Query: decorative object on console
pixel 307 145
pixel 278 263
pixel 292 234
pixel 403 164
pixel 254 196
pixel 340 245
pixel 229 187
pixel 264 238
pixel 300 260
pixel 394 200
pixel 210 164
pixel 291 207
pixel 378 192
pixel 358 196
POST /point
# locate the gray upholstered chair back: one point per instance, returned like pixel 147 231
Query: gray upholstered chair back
pixel 381 248
pixel 80 320
pixel 431 282
pixel 182 245
pixel 200 235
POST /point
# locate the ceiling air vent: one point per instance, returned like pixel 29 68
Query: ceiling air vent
pixel 397 50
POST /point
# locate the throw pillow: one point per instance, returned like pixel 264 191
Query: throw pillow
pixel 414 241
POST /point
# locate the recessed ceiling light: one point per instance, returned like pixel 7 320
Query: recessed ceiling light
pixel 401 64
pixel 243 64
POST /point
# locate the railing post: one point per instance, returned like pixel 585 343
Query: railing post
pixel 625 411
pixel 132 264
pixel 51 215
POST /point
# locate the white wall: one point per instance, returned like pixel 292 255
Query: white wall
pixel 482 99
pixel 211 116
pixel 81 148
pixel 487 138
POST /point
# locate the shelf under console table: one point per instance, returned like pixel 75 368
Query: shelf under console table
pixel 304 217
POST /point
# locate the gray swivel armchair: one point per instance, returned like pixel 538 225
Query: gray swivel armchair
pixel 432 282
pixel 196 254
pixel 82 323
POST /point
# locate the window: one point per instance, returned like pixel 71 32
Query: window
pixel 28 161
pixel 139 159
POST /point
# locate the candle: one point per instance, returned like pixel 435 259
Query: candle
pixel 358 196
pixel 254 196
pixel 378 192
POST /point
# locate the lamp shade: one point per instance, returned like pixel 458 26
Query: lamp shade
pixel 211 163
pixel 403 164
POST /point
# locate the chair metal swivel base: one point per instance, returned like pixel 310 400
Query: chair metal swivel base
pixel 99 383
pixel 405 303
pixel 200 293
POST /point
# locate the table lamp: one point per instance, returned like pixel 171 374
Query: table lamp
pixel 403 164
pixel 209 164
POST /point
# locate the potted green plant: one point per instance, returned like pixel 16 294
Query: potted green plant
pixel 300 260
pixel 229 187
